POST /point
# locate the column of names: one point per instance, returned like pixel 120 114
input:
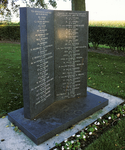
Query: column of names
pixel 42 57
pixel 70 70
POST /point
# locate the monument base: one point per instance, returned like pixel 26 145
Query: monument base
pixel 57 117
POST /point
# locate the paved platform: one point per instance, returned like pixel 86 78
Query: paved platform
pixel 11 140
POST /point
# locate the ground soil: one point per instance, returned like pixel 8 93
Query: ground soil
pixel 15 42
pixel 98 50
pixel 107 51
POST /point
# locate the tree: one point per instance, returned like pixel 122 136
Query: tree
pixel 3 6
pixel 78 5
pixel 7 11
pixel 13 8
pixel 41 3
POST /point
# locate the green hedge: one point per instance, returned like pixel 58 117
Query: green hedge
pixel 113 37
pixel 11 33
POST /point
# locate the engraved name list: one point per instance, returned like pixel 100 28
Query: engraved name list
pixel 54 57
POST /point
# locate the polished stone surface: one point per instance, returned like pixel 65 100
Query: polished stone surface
pixel 71 45
pixel 37 52
pixel 54 57
pixel 57 117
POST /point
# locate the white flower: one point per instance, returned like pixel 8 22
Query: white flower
pixel 109 118
pixel 123 114
pixel 100 117
pixel 55 149
pixel 73 135
pixel 78 135
pixel 65 140
pixel 62 147
pixel 67 144
pixel 95 122
pixel 72 142
pixel 103 121
pixel 90 133
pixel 96 129
pixel 67 147
pixel 86 128
pixel 98 123
pixel 84 136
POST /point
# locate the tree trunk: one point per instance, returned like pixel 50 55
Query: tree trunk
pixel 78 5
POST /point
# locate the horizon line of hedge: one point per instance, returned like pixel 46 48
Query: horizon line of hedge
pixel 113 37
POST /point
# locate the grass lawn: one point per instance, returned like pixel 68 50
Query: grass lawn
pixel 100 46
pixel 10 78
pixel 113 139
pixel 105 73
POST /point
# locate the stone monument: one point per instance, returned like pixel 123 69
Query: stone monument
pixel 54 73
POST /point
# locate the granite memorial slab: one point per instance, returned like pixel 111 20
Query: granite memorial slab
pixel 54 47
pixel 71 40
pixel 37 53
pixel 57 117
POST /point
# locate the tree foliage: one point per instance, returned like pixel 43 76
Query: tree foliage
pixel 41 3
pixel 14 7
pixel 9 7
pixel 3 6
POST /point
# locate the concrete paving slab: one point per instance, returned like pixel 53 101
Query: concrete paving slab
pixel 11 140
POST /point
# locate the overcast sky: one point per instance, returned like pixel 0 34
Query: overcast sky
pixel 106 9
pixel 98 9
